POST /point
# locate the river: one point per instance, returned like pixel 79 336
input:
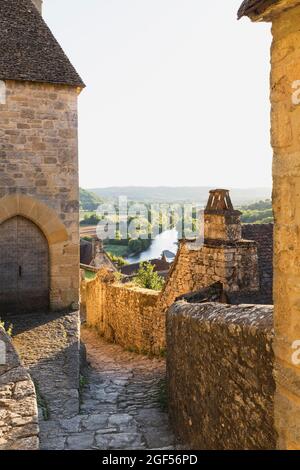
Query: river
pixel 165 241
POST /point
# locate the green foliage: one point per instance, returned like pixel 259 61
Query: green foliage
pixel 138 245
pixel 42 403
pixel 89 201
pixel 8 330
pixel 115 249
pixel 118 276
pixel 255 216
pixel 118 260
pixel 89 275
pixel 163 395
pixel 90 219
pixel 83 382
pixel 147 278
pixel 258 213
pixel 258 206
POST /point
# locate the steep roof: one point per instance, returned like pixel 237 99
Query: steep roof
pixel 254 7
pixel 28 49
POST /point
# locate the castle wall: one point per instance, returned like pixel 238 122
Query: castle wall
pixel 39 171
pixel 18 403
pixel 219 369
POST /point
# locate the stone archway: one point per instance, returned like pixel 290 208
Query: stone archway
pixel 51 228
pixel 36 211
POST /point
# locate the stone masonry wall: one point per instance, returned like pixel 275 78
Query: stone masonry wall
pixel 136 317
pixel 124 314
pixel 285 78
pixel 18 403
pixel 220 383
pixel 262 234
pixel 38 159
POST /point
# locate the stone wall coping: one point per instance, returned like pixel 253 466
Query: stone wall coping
pixel 133 288
pixel 253 316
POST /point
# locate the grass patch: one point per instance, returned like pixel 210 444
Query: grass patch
pixel 163 395
pixel 89 275
pixel 42 403
pixel 7 328
pixel 83 381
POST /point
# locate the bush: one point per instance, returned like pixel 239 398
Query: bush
pixel 7 330
pixel 118 260
pixel 147 278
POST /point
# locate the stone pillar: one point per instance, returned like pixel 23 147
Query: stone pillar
pixel 285 116
pixel 38 4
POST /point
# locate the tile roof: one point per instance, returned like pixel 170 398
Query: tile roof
pixel 28 49
pixel 254 7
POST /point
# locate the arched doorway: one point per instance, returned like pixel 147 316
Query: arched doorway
pixel 24 267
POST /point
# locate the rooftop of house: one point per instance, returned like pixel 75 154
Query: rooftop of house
pixel 254 7
pixel 160 265
pixel 28 49
pixel 92 254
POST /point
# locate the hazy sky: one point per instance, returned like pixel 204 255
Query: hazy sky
pixel 177 91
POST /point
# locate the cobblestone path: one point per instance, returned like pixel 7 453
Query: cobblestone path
pixel 122 393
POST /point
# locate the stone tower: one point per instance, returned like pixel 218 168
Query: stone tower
pixel 39 228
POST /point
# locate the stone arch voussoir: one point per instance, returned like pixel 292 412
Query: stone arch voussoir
pixel 36 211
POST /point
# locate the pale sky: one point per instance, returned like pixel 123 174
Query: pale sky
pixel 177 91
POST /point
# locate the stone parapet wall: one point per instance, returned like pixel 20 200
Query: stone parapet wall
pixel 220 375
pixel 125 314
pixel 18 403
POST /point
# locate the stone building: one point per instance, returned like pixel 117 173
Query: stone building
pixel 285 80
pixel 39 233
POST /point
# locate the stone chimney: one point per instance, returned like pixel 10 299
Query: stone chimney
pixel 38 4
pixel 221 220
pixel 227 258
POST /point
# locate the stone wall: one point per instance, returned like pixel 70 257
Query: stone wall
pixel 262 234
pixel 286 185
pixel 195 267
pixel 220 383
pixel 124 314
pixel 135 317
pixel 18 404
pixel 39 174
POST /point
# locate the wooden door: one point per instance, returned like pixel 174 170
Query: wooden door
pixel 24 267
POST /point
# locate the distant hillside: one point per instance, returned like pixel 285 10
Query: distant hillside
pixel 180 194
pixel 89 201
